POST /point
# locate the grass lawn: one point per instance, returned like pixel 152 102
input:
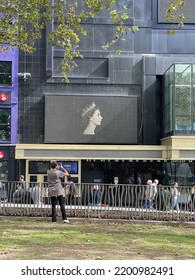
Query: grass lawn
pixel 32 239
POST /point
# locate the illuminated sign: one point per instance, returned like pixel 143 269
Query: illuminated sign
pixel 2 155
pixel 3 97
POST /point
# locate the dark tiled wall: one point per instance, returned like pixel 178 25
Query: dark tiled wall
pixel 146 54
pixel 123 76
pixel 31 106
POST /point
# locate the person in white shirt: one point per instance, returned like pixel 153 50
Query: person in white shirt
pixel 174 196
pixel 154 192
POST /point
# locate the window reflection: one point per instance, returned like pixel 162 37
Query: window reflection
pixel 5 72
pixel 5 124
pixel 179 101
pixel 182 172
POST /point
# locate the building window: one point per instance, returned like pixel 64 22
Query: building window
pixel 5 73
pixel 179 100
pixel 5 124
pixel 187 10
pixel 183 97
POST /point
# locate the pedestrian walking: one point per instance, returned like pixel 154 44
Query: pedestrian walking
pixel 174 196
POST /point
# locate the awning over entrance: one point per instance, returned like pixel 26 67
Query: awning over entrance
pixel 171 148
pixel 112 152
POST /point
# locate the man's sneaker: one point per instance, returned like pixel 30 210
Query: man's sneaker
pixel 66 221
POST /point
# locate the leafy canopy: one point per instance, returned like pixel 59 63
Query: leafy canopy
pixel 22 23
pixel 174 15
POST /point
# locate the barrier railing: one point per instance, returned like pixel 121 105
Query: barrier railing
pixel 98 201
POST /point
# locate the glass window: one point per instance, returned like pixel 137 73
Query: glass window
pixel 184 173
pixel 193 97
pixel 45 179
pixel 5 72
pixel 33 179
pixel 168 99
pixel 183 108
pixel 5 124
pixel 179 100
pixel 187 10
pixel 39 167
pixel 3 170
pixel 183 96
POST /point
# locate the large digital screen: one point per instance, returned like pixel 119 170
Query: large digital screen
pixel 70 166
pixel 90 119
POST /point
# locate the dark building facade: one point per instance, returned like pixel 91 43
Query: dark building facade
pixel 137 94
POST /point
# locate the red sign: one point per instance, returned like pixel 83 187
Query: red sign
pixel 3 97
pixel 2 154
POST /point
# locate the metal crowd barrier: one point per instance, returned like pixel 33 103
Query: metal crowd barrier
pixel 105 201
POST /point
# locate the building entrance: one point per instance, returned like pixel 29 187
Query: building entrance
pixel 137 172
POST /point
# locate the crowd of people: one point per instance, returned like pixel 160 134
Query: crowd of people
pixel 22 194
pixel 152 190
pixel 150 194
pixel 169 196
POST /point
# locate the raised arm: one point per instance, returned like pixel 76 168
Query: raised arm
pixel 64 170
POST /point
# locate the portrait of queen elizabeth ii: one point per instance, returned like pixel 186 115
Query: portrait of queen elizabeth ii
pixel 88 119
pixel 91 118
